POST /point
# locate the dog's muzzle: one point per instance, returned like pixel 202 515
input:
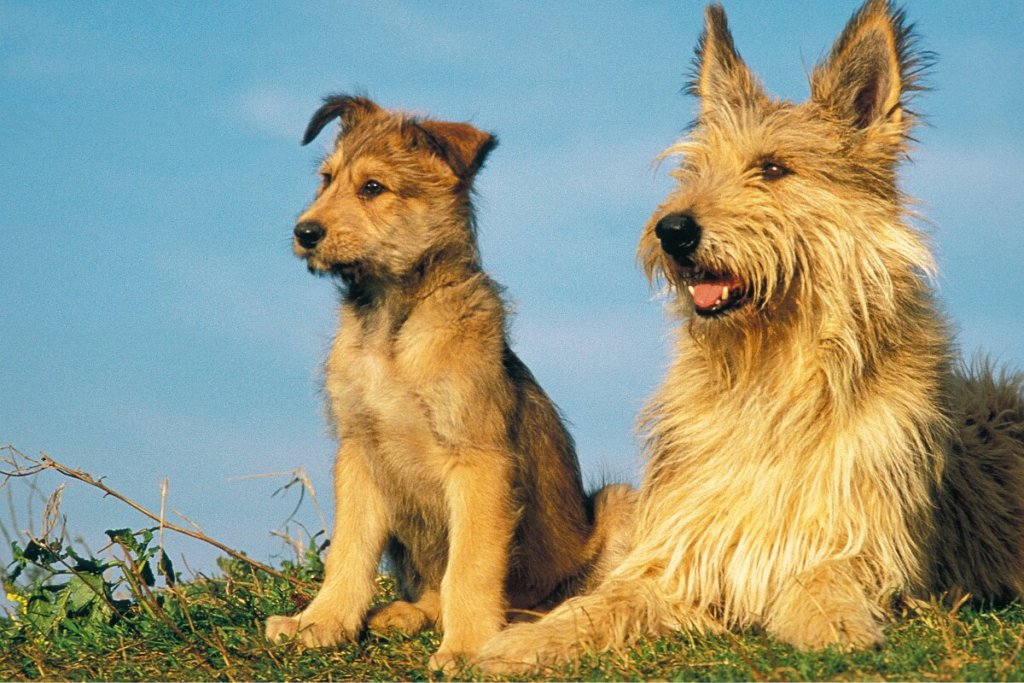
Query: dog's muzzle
pixel 309 234
pixel 714 291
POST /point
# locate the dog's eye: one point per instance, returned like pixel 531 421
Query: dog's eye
pixel 773 170
pixel 370 189
pixel 325 179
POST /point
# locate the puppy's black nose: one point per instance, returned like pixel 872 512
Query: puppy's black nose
pixel 679 234
pixel 309 233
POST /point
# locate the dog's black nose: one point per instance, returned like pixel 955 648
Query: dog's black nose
pixel 309 233
pixel 679 234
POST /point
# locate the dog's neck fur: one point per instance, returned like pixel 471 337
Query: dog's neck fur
pixel 390 299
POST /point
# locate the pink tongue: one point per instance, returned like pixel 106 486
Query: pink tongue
pixel 707 293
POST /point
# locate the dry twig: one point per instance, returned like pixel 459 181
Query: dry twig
pixel 45 462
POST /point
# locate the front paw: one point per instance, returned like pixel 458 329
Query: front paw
pixel 501 666
pixel 826 606
pixel 509 655
pixel 309 631
pixel 853 630
pixel 448 661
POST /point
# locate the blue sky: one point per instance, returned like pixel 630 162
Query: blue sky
pixel 154 324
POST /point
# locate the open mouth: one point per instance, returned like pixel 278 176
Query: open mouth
pixel 716 293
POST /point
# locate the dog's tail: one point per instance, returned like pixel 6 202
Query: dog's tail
pixel 613 511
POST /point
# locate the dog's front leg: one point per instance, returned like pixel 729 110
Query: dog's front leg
pixel 360 529
pixel 481 524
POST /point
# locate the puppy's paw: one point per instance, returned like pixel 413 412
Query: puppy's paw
pixel 400 616
pixel 457 653
pixel 503 666
pixel 449 662
pixel 309 632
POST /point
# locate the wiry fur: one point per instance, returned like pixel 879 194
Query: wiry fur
pixel 452 460
pixel 816 449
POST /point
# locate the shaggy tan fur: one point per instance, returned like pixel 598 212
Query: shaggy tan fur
pixel 816 449
pixel 452 460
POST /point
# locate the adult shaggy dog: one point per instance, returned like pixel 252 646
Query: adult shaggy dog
pixel 817 449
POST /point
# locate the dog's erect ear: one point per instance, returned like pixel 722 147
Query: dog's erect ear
pixel 461 145
pixel 720 77
pixel 872 69
pixel 349 109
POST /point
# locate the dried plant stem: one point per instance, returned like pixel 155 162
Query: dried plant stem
pixel 46 462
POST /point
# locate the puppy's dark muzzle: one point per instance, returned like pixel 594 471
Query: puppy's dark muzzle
pixel 309 234
pixel 679 234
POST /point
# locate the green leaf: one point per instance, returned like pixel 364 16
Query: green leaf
pixel 86 565
pixel 43 554
pixel 136 542
pixel 122 536
pixel 146 572
pixel 166 568
pixel 44 610
pixel 83 590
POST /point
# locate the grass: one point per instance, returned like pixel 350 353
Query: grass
pixel 130 616
pixel 211 629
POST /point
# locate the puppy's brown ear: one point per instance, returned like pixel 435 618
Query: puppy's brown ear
pixel 720 77
pixel 346 107
pixel 463 147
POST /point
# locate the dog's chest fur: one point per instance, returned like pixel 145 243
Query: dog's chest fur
pixel 803 483
pixel 397 383
pixel 376 399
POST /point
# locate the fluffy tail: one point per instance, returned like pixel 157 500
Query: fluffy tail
pixel 611 510
pixel 614 509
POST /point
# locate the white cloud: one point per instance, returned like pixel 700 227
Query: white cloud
pixel 272 111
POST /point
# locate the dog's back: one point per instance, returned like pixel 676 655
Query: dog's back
pixel 977 548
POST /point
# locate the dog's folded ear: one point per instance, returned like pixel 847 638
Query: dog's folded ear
pixel 346 107
pixel 872 68
pixel 463 147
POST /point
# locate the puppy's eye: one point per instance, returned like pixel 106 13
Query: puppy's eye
pixel 370 189
pixel 326 179
pixel 773 170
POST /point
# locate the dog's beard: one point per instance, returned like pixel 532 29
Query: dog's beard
pixel 349 272
pixel 351 280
